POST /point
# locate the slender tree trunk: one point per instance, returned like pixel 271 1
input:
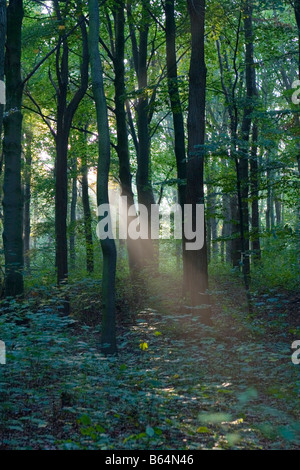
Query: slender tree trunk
pixel 122 135
pixel 235 245
pixel 255 195
pixel 175 100
pixel 143 177
pixel 214 225
pixel 13 200
pixel 27 197
pixel 245 135
pixel 108 339
pixel 278 211
pixel 226 231
pixel 178 123
pixel 208 239
pixel 120 95
pixel 270 200
pixel 235 242
pixel 87 216
pixel 73 214
pixel 65 114
pixel 61 204
pixel 197 284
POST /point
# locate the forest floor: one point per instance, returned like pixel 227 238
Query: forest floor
pixel 175 384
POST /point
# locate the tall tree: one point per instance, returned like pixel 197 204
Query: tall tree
pixel 12 149
pixel 178 122
pixel 72 228
pixel 197 282
pixel 143 176
pixel 87 216
pixel 65 112
pixel 121 124
pixel 297 15
pixel 254 181
pixel 243 161
pixel 230 91
pixel 108 339
pixel 27 194
pixel 2 54
pixel 173 89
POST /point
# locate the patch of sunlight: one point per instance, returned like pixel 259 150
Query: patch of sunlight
pixel 237 421
pixel 170 390
pixel 215 418
pixel 226 384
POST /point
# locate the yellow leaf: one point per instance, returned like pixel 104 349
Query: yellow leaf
pixel 143 346
pixel 203 430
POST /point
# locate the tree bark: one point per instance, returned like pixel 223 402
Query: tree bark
pixel 143 177
pixel 297 16
pixel 226 230
pixel 65 114
pixel 73 213
pixel 235 242
pixel 87 216
pixel 178 123
pixel 122 135
pixel 13 200
pixel 27 196
pixel 278 210
pixel 2 58
pixel 108 339
pixel 254 180
pixel 245 135
pixel 197 284
pixel 175 101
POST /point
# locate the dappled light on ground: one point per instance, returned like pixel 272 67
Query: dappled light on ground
pixel 192 387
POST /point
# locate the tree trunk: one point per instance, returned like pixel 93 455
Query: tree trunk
pixel 87 216
pixel 27 197
pixel 297 16
pixel 270 206
pixel 245 135
pixel 108 339
pixel 226 231
pixel 278 211
pixel 61 204
pixel 233 208
pixel 143 177
pixel 73 214
pixel 122 135
pixel 213 224
pixel 2 57
pixel 197 284
pixel 235 245
pixel 65 114
pixel 255 195
pixel 13 200
pixel 178 123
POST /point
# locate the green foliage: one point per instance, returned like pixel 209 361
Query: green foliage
pixel 176 384
pixel 279 267
pixel 221 387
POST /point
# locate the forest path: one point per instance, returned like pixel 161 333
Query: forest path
pixel 175 383
pixel 228 386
